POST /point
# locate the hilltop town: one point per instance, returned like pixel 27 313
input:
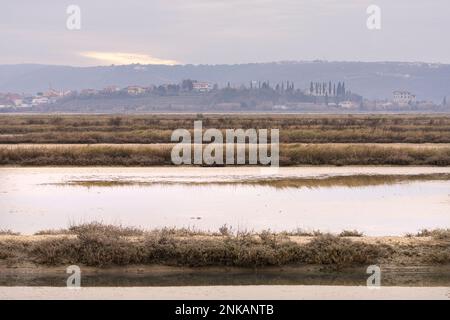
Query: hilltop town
pixel 194 95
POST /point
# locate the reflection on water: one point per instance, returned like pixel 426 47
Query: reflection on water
pixel 350 181
pixel 417 276
pixel 377 201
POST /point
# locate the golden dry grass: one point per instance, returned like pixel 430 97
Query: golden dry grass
pixel 158 128
pixel 156 155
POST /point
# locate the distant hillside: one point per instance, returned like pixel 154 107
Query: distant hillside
pixel 372 80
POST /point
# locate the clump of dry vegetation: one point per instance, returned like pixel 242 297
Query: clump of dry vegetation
pixel 351 233
pixel 440 255
pixel 13 249
pixel 52 232
pixel 7 232
pixel 332 250
pixel 440 234
pixel 299 232
pixel 105 229
pixel 440 252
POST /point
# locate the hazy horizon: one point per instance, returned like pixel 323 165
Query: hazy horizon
pixel 231 64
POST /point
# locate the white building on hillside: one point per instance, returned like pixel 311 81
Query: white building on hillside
pixel 39 100
pixel 348 105
pixel 404 97
pixel 135 90
pixel 201 86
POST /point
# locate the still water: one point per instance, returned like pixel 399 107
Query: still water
pixel 33 199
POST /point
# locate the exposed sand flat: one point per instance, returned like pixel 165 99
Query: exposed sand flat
pixel 228 293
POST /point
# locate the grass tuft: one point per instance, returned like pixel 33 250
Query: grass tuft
pixel 439 234
pixel 7 232
pixel 351 233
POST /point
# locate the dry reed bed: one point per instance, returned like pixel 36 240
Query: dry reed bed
pixel 158 128
pixel 100 245
pixel 290 154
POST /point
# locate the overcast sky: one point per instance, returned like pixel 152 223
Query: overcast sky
pixel 222 31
